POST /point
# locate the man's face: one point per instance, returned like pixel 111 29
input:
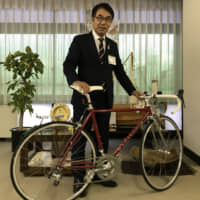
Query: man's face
pixel 101 22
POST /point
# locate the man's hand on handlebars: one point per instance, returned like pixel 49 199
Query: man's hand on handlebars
pixel 137 93
pixel 83 86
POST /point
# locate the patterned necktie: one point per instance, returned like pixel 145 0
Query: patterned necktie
pixel 101 51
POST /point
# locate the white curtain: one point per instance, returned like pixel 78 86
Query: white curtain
pixel 151 29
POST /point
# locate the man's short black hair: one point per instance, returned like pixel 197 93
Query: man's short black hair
pixel 105 6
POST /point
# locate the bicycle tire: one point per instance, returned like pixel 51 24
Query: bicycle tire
pixel 37 157
pixel 161 152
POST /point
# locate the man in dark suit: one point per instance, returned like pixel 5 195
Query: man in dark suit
pixel 91 60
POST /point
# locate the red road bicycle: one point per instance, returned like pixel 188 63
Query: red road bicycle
pixel 41 167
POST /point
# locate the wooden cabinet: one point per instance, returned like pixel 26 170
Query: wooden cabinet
pixel 36 147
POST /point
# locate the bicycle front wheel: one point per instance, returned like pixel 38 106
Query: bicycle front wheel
pixel 38 168
pixel 161 153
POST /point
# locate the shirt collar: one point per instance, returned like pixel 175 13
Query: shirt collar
pixel 96 37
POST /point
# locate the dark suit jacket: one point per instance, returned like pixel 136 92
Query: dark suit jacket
pixel 82 63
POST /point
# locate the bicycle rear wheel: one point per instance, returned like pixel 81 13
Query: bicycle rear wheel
pixel 161 153
pixel 35 170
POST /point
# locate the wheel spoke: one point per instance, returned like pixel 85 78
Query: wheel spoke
pixel 161 153
pixel 35 172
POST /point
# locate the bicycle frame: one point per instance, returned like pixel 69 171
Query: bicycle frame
pixel 64 150
pixel 91 115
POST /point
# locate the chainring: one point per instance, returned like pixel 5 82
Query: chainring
pixel 107 167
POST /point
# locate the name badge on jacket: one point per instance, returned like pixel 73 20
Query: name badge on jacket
pixel 111 60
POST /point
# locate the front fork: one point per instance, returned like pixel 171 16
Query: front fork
pixel 157 129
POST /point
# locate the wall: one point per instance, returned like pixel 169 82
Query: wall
pixel 8 120
pixel 191 74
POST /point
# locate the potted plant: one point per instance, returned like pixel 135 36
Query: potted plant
pixel 25 68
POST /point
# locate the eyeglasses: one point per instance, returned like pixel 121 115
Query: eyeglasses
pixel 100 18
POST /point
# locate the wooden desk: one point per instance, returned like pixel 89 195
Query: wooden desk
pixel 127 118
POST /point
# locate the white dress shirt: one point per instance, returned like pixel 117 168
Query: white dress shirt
pixel 97 42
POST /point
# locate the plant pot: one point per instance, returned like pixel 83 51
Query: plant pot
pixel 16 135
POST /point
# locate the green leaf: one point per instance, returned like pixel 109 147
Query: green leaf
pixel 25 67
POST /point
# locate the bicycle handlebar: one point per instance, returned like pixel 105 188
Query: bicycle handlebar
pixel 177 100
pixel 171 96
